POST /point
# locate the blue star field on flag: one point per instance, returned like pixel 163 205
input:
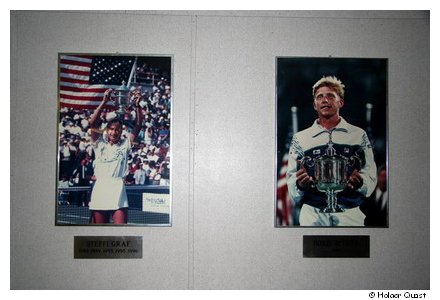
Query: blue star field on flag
pixel 111 70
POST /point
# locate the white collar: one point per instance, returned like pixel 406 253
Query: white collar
pixel 341 126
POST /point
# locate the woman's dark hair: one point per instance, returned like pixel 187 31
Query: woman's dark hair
pixel 115 121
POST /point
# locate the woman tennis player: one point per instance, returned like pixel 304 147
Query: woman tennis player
pixel 109 198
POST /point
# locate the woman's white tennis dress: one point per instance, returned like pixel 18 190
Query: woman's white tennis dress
pixel 110 168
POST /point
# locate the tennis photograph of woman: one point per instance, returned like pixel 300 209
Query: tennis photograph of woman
pixel 114 140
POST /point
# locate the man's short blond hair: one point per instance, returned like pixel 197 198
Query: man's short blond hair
pixel 331 82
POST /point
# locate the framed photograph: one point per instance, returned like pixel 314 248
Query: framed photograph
pixel 331 142
pixel 114 140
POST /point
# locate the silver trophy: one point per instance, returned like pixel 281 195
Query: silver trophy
pixel 121 98
pixel 330 175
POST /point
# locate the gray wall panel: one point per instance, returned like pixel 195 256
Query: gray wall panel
pixel 234 182
pixel 42 254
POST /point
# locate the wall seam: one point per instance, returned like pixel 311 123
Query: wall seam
pixel 192 136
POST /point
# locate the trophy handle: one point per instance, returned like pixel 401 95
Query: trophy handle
pixel 309 162
pixel 306 161
pixel 352 160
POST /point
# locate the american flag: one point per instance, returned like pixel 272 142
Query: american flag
pixel 284 202
pixel 84 78
pixel 285 205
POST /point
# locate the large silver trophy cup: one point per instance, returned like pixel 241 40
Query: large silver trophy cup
pixel 121 98
pixel 331 178
pixel 330 175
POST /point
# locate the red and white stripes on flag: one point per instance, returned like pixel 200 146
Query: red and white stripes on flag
pixel 75 89
pixel 284 203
